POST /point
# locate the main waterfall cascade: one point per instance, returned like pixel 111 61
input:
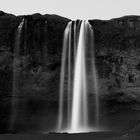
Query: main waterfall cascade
pixel 78 78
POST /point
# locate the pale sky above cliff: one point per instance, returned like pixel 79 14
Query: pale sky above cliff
pixel 73 9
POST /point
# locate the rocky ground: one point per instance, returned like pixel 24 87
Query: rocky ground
pixel 88 136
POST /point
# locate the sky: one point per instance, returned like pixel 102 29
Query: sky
pixel 73 9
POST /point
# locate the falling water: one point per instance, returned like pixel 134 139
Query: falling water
pixel 62 75
pixel 95 78
pixel 78 50
pixel 79 102
pixel 16 62
pixel 69 74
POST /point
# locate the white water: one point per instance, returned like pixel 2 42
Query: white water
pixel 77 119
pixel 69 75
pixel 79 116
pixel 62 75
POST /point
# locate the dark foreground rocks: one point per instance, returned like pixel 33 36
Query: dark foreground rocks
pixel 88 136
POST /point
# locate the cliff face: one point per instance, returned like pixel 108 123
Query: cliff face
pixel 117 44
pixel 31 68
pixel 38 64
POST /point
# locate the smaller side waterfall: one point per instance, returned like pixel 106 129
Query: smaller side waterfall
pixel 78 71
pixel 66 43
pixel 16 59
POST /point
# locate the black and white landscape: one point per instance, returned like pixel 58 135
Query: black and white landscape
pixel 31 57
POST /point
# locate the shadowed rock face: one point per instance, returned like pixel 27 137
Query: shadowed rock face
pixel 117 50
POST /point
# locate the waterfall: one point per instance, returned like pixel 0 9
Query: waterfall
pixel 78 71
pixel 79 101
pixel 62 74
pixel 16 63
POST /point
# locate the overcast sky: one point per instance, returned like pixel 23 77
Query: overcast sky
pixel 73 9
